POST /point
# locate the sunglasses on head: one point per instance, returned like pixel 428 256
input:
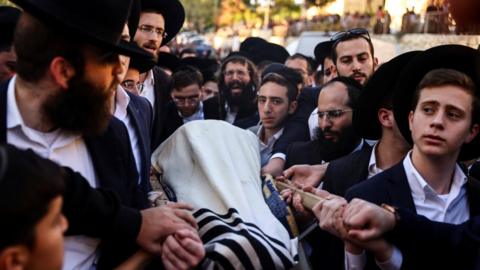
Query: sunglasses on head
pixel 352 33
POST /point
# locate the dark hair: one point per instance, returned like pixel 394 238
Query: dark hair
pixel 252 70
pixel 351 37
pixel 36 44
pixel 292 90
pixel 443 77
pixel 302 57
pixel 186 76
pixel 28 184
pixel 354 89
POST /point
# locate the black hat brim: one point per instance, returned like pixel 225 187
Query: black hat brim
pixel 173 13
pixel 322 50
pixel 456 57
pixel 55 17
pixel 378 88
pixel 168 60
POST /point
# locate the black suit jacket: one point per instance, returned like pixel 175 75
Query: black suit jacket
pixel 346 171
pixel 162 88
pixel 391 187
pixel 174 121
pixel 114 167
pixel 303 153
pixel 140 113
pixel 247 116
pixel 296 128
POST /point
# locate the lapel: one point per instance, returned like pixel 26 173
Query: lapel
pixel 473 196
pixel 3 112
pixel 362 162
pixel 398 189
pixel 142 134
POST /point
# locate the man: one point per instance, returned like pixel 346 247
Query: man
pixel 353 54
pixel 276 102
pixel 8 19
pixel 300 63
pixel 237 83
pixel 443 121
pixel 159 22
pixel 186 104
pixel 336 137
pixel 59 106
pixel 372 120
pixel 32 224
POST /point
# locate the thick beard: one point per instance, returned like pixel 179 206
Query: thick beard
pixel 347 141
pixel 84 108
pixel 246 97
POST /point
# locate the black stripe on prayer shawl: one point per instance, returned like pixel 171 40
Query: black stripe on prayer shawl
pixel 263 246
pixel 252 228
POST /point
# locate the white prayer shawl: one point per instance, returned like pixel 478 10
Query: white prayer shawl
pixel 215 167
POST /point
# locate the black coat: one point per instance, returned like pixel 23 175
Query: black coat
pixel 101 213
pixel 304 153
pixel 247 116
pixel 162 96
pixel 391 187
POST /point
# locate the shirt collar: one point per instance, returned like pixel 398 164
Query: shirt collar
pixel 198 115
pixel 273 138
pixel 14 118
pixel 420 187
pixel 122 99
pixel 373 169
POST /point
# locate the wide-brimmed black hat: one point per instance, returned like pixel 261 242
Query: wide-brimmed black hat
pixel 251 42
pixel 173 13
pixel 322 50
pixel 134 18
pixel 169 61
pixel 269 52
pixel 142 64
pixel 98 22
pixel 207 66
pixel 378 88
pixel 456 57
pixel 8 20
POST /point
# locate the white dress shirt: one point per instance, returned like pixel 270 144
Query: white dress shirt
pixel 266 149
pixel 449 208
pixel 67 150
pixel 121 104
pixel 373 169
pixel 148 90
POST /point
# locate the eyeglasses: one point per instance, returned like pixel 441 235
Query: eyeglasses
pixel 148 29
pixel 231 73
pixel 352 33
pixel 191 100
pixel 132 85
pixel 332 114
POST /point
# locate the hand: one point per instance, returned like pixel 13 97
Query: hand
pixel 329 213
pixel 274 167
pixel 366 221
pixel 306 175
pixel 183 250
pixel 160 222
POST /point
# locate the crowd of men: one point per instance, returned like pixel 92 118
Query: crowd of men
pixel 88 91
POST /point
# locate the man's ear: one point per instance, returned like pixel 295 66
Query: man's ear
pixel 473 133
pixel 385 117
pixel 61 71
pixel 14 258
pixel 410 120
pixel 375 63
pixel 292 107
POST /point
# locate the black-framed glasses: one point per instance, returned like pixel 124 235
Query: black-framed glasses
pixel 352 33
pixel 132 85
pixel 331 114
pixel 151 29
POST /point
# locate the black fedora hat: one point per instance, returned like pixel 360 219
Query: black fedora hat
pixel 98 22
pixel 8 20
pixel 251 42
pixel 207 66
pixel 456 57
pixel 168 60
pixel 142 64
pixel 322 50
pixel 269 52
pixel 173 13
pixel 134 18
pixel 378 88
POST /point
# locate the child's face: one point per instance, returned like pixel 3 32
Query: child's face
pixel 47 252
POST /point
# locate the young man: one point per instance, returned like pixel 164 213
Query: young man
pixel 159 22
pixel 186 104
pixel 353 54
pixel 32 227
pixel 441 104
pixel 276 102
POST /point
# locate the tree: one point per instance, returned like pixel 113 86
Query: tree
pixel 201 14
